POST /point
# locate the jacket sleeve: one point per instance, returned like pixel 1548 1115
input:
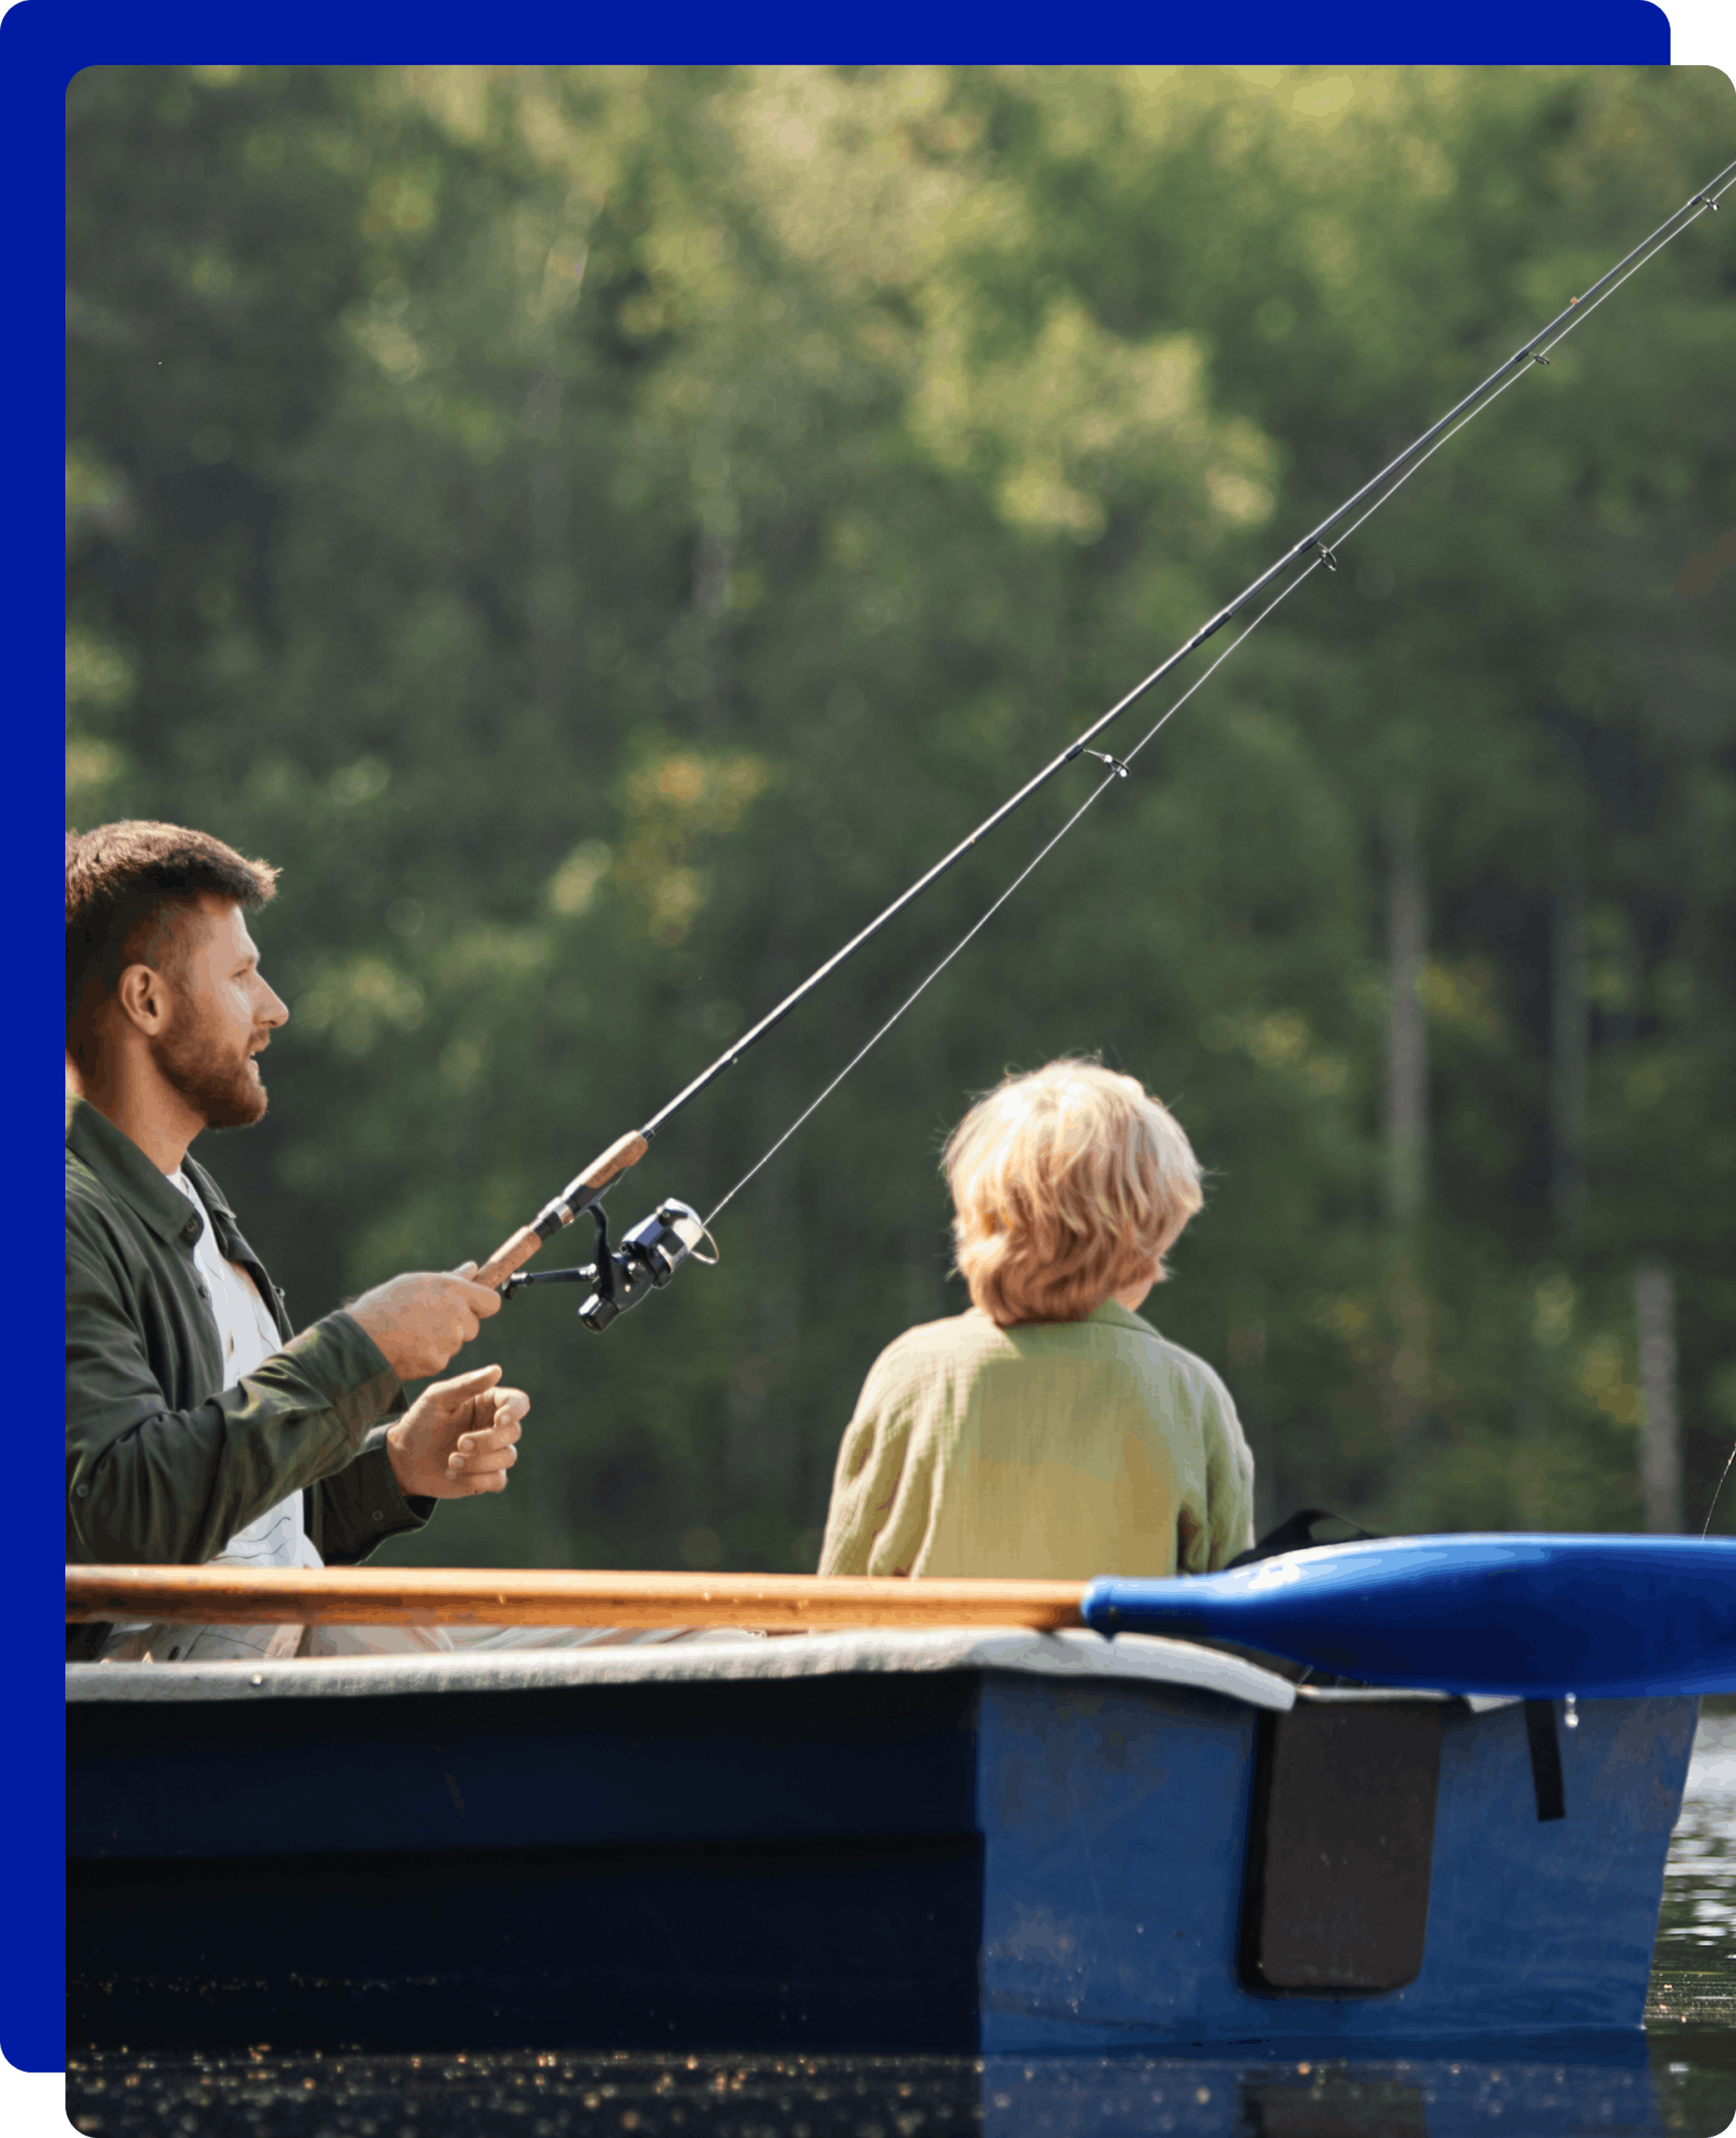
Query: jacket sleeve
pixel 148 1484
pixel 359 1506
pixel 1229 1480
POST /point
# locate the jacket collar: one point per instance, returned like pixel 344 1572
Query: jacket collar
pixel 1110 1311
pixel 1122 1317
pixel 123 1168
pixel 232 1242
pixel 215 1201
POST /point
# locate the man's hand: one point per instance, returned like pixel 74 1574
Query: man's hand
pixel 457 1437
pixel 420 1320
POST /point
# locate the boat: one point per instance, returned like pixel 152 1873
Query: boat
pixel 993 1837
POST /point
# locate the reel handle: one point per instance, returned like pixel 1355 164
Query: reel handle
pixel 578 1194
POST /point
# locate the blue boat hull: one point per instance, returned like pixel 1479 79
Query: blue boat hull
pixel 1533 1927
pixel 964 1857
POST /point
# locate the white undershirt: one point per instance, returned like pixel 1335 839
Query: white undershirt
pixel 246 1337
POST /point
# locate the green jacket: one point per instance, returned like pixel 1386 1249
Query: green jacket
pixel 1057 1452
pixel 163 1464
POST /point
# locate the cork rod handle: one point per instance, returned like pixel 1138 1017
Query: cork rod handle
pixel 512 1254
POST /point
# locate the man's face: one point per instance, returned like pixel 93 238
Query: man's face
pixel 224 1015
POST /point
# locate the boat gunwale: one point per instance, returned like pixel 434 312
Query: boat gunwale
pixel 1074 1654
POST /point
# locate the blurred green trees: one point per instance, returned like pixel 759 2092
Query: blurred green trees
pixel 604 532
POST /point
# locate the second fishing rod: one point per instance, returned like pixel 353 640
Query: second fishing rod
pixel 650 1254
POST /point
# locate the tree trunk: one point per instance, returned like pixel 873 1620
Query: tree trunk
pixel 1661 1467
pixel 550 587
pixel 713 561
pixel 758 1444
pixel 1406 1379
pixel 1407 1060
pixel 1570 1047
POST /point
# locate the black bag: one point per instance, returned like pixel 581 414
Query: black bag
pixel 1302 1532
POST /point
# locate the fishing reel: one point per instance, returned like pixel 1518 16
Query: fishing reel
pixel 647 1258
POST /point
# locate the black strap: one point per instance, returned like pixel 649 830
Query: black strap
pixel 1545 1748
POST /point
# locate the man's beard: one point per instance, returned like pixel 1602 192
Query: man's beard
pixel 225 1095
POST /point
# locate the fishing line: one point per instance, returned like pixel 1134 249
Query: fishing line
pixel 1326 556
pixel 1379 487
pixel 585 1189
pixel 1118 771
pixel 1716 1490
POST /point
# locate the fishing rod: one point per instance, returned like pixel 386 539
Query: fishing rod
pixel 654 1249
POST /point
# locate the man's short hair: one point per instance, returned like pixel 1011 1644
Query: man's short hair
pixel 128 887
pixel 1069 1184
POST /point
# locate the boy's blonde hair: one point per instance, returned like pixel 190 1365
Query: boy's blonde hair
pixel 1070 1184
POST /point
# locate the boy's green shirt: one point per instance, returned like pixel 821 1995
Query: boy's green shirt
pixel 163 1464
pixel 1060 1452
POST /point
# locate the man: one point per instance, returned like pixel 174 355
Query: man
pixel 197 1425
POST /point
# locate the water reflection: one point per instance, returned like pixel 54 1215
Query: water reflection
pixel 1606 2087
pixel 1679 2078
pixel 1603 2087
pixel 1698 1928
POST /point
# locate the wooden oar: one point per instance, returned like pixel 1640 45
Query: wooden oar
pixel 467 1596
pixel 1531 1614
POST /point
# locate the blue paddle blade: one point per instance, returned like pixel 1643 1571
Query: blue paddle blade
pixel 1538 1616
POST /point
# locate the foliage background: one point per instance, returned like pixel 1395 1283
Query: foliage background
pixel 604 531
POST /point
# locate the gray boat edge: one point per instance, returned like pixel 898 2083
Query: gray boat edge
pixel 719 1657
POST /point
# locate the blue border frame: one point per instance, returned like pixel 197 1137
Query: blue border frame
pixel 42 44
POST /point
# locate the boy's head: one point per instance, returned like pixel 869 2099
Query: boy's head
pixel 1069 1185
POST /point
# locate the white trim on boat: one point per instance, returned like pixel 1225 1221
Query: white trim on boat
pixel 1148 1657
pixel 1479 1703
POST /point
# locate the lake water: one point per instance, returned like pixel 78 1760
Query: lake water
pixel 1680 2078
pixel 1690 2013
